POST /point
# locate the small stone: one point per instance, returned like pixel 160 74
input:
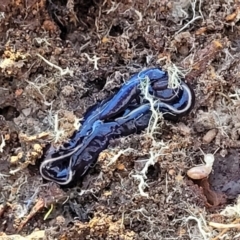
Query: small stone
pixel 209 136
pixel 37 147
pixel 171 172
pixel 14 159
pixel 183 50
pixel 120 166
pixel 26 111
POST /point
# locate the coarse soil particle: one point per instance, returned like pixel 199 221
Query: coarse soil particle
pixel 98 45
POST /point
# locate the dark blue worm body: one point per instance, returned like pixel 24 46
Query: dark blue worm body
pixel 129 91
pixel 121 115
pixel 61 168
pixel 118 103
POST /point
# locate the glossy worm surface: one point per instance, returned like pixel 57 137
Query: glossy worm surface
pixel 121 115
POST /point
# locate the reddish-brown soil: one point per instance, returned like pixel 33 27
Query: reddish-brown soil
pixel 96 46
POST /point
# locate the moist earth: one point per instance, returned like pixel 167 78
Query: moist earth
pixel 58 58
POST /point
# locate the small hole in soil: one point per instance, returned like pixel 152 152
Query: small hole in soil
pixel 153 172
pixel 9 113
pixel 99 83
pixel 140 42
pixel 90 215
pixel 170 218
pixel 131 21
pixel 85 15
pixel 116 31
pixel 9 79
pixel 203 108
pixel 70 224
pixel 94 86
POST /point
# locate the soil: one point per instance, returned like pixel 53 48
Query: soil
pixel 58 58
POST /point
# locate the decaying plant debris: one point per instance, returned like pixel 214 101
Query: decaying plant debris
pixel 57 58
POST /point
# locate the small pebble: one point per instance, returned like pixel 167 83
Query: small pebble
pixel 26 111
pixel 183 50
pixel 224 152
pixel 210 135
pixel 14 159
